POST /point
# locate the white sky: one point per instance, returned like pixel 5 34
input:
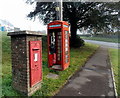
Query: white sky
pixel 15 11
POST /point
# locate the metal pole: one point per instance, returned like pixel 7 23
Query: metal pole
pixel 61 13
pixel 59 10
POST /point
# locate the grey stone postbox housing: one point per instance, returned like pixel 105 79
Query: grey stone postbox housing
pixel 20 55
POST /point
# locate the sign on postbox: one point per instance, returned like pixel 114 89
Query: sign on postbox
pixel 58 45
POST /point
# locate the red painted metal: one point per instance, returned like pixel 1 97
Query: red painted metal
pixel 61 55
pixel 35 62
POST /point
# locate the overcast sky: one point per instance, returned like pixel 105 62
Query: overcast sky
pixel 15 11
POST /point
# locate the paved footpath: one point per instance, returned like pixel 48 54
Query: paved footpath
pixel 94 79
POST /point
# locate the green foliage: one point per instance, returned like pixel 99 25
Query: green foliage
pixel 77 43
pixel 98 16
pixel 81 13
pixel 116 67
pixel 6 47
pixel 49 86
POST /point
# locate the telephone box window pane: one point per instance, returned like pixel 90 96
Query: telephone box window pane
pixel 66 49
pixel 66 60
pixel 59 33
pixel 59 37
pixel 58 48
pixel 58 59
pixel 66 37
pixel 66 32
pixel 59 44
pixel 58 55
pixel 66 45
pixel 66 52
pixel 59 51
pixel 66 41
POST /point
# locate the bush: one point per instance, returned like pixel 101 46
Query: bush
pixel 77 43
pixel 44 42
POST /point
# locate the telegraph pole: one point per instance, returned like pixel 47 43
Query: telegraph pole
pixel 59 10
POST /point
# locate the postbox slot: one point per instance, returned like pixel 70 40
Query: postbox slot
pixel 35 49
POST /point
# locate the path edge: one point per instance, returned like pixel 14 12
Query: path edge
pixel 112 73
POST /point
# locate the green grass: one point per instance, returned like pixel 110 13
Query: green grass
pixel 49 86
pixel 0 64
pixel 116 67
pixel 114 40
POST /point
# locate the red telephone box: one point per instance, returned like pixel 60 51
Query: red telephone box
pixel 35 62
pixel 58 45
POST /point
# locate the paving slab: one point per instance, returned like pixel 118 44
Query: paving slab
pixel 52 76
pixel 95 78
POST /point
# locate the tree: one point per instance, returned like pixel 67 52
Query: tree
pixel 99 16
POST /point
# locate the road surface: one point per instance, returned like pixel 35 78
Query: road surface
pixel 105 44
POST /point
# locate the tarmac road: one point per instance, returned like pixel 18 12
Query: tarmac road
pixel 104 44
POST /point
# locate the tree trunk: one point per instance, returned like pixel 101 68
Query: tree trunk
pixel 73 31
pixel 74 41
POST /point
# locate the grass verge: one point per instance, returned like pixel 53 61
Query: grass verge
pixel 114 40
pixel 0 64
pixel 49 86
pixel 116 67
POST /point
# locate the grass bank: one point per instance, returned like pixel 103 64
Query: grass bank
pixel 49 86
pixel 116 67
pixel 113 40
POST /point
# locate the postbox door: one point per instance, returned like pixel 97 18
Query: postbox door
pixel 35 62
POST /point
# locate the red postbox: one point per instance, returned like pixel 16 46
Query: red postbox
pixel 58 45
pixel 35 62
